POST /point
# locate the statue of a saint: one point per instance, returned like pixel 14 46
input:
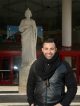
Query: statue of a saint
pixel 28 31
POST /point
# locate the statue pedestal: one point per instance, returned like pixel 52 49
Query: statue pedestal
pixel 23 76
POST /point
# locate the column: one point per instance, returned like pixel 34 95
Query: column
pixel 66 23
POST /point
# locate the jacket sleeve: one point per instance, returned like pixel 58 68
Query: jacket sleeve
pixel 31 85
pixel 71 84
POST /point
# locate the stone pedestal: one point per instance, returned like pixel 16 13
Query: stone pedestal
pixel 23 75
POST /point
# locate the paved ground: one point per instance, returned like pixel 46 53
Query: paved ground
pixel 15 99
pixel 21 100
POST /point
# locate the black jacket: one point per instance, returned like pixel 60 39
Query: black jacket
pixel 54 91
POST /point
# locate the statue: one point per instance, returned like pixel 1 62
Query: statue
pixel 28 31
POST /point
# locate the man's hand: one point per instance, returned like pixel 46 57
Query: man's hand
pixel 58 104
pixel 32 104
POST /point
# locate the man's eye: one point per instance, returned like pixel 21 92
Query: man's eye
pixel 52 48
pixel 46 48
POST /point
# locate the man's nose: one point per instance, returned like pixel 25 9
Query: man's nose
pixel 49 51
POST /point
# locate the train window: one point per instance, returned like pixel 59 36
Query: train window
pixel 5 64
pixel 4 69
pixel 16 68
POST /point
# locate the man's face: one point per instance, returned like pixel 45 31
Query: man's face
pixel 49 50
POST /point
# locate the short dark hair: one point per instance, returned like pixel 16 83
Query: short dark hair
pixel 49 40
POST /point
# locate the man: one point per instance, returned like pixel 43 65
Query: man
pixel 48 77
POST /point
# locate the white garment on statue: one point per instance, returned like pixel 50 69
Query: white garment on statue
pixel 28 38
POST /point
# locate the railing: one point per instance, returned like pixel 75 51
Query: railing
pixel 10 55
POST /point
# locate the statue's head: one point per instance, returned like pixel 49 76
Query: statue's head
pixel 28 13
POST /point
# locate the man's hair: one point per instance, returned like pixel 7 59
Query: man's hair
pixel 49 40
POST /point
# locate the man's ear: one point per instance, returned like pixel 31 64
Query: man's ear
pixel 42 49
pixel 56 50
